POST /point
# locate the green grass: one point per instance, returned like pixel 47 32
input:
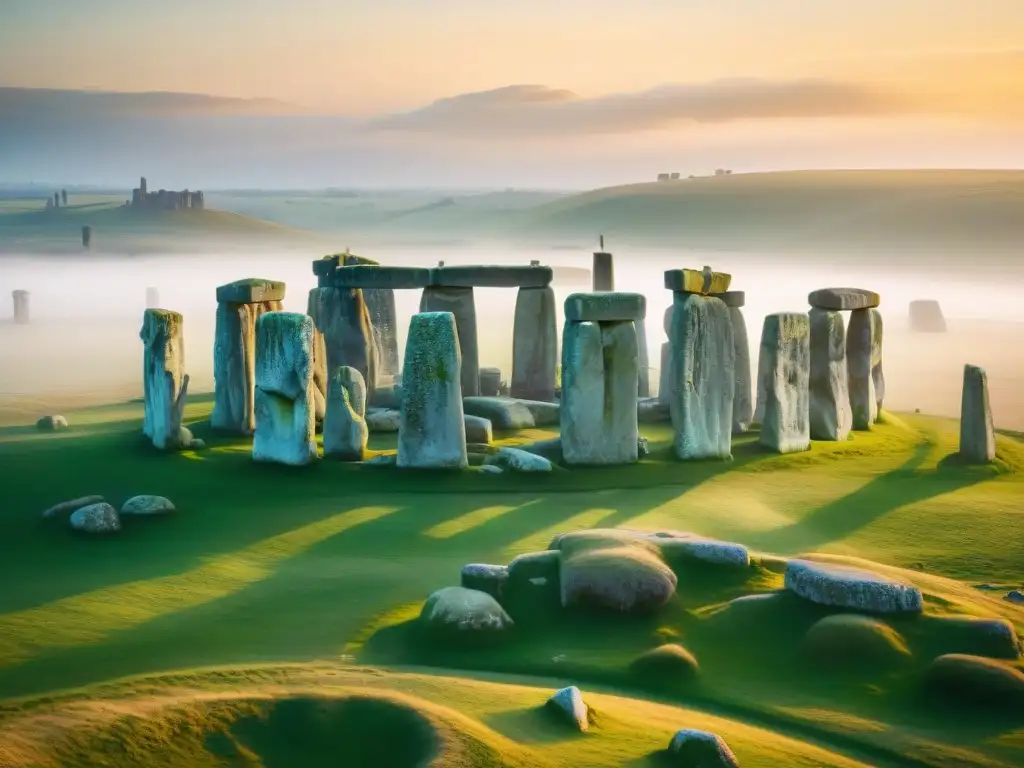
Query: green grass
pixel 330 563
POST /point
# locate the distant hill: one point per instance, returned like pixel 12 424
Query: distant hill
pixel 811 209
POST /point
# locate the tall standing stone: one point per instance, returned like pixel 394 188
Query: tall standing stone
pixel 703 379
pixel 831 416
pixel 345 430
pixel 380 303
pixel 432 429
pixel 604 272
pixel 977 432
pixel 534 345
pixel 877 372
pixel 164 381
pixel 860 341
pixel 458 300
pixel 742 405
pixel 239 307
pixel 784 370
pixel 643 359
pixel 665 374
pixel 342 317
pixel 21 313
pixel 600 377
pixel 284 404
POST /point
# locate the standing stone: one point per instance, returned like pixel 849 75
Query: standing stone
pixel 877 373
pixel 860 341
pixel 665 374
pixel 926 316
pixel 239 307
pixel 86 236
pixel 534 345
pixel 784 373
pixel 152 298
pixel 165 384
pixel 458 300
pixel 599 385
pixel 703 379
pixel 342 317
pixel 831 417
pixel 742 404
pixel 284 407
pixel 21 314
pixel 490 382
pixel 380 303
pixel 319 363
pixel 604 272
pixel 432 430
pixel 977 432
pixel 643 360
pixel 345 430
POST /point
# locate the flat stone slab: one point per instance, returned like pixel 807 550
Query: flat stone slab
pixel 251 290
pixel 502 412
pixel 693 281
pixel 605 307
pixel 843 298
pixel 846 587
pixel 732 298
pixel 492 276
pixel 375 276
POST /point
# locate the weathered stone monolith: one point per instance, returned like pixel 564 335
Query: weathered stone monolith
pixel 534 345
pixel 877 372
pixel 860 342
pixel 345 430
pixel 784 370
pixel 490 382
pixel 977 432
pixel 600 377
pixel 432 429
pixel 603 272
pixel 643 359
pixel 165 383
pixel 458 300
pixel 703 379
pixel 239 306
pixel 831 417
pixel 380 303
pixel 742 404
pixel 342 317
pixel 284 404
pixel 21 313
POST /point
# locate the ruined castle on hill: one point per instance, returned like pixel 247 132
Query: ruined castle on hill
pixel 164 200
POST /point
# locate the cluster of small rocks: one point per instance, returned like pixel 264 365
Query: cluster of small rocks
pixel 93 514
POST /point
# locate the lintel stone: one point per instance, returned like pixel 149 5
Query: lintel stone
pixel 252 290
pixel 375 276
pixel 605 306
pixel 734 299
pixel 692 281
pixel 837 299
pixel 492 276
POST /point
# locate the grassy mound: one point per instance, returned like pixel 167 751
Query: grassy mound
pixel 849 640
pixel 668 666
pixel 977 681
pixel 628 579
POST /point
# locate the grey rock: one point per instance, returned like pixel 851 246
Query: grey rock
pixel 504 413
pixel 67 507
pixel 926 316
pixel 845 587
pixel 603 272
pixel 478 429
pixel 284 406
pixel 345 429
pixel 678 544
pixel 1015 596
pixel 784 371
pixel 491 276
pixel 651 410
pixel 95 518
pixel 165 383
pixel 460 610
pixel 534 345
pixel 253 290
pixel 387 396
pixel 877 371
pixel 665 375
pixel 433 431
pixel 490 382
pixel 460 303
pixel 643 360
pixel 52 423
pixel 197 444
pixel 742 403
pixel 701 749
pixel 515 460
pixel 569 704
pixel 147 505
pixel 342 316
pixel 384 421
pixel 375 276
pixel 380 303
pixel 484 577
pixel 608 306
pixel 491 469
pixel 831 416
pixel 383 460
pixel 599 386
pixel 977 432
pixel 860 345
pixel 703 377
pixel 838 299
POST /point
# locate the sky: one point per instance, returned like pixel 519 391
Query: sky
pixel 680 75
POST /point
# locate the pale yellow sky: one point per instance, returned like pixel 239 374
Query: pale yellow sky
pixel 383 55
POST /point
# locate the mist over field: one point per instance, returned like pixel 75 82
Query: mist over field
pixel 82 346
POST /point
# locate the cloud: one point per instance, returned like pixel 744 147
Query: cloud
pixel 537 109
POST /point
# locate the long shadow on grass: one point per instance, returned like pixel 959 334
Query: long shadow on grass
pixel 877 498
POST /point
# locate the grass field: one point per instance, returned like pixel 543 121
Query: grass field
pixel 287 597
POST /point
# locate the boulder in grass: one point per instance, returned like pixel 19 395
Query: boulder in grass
pixel 975 680
pixel 1015 596
pixel 568 704
pixel 484 577
pixel 688 545
pixel 96 518
pixel 670 664
pixel 845 587
pixel 464 612
pixel 52 423
pixel 628 579
pixel 692 748
pixel 850 640
pixel 65 508
pixel 514 460
pixel 147 505
pixel 982 637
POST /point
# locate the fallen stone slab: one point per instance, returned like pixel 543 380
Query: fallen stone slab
pixel 603 307
pixel 697 281
pixel 492 276
pixel 550 449
pixel 843 298
pixel 72 505
pixel 677 544
pixel 383 421
pixel 846 587
pixel 516 460
pixel 375 276
pixel 651 410
pixel 478 429
pixel 251 290
pixel 504 413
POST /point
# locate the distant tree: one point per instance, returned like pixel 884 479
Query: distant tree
pixel 64 196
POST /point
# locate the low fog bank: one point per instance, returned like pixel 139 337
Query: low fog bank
pixel 82 346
